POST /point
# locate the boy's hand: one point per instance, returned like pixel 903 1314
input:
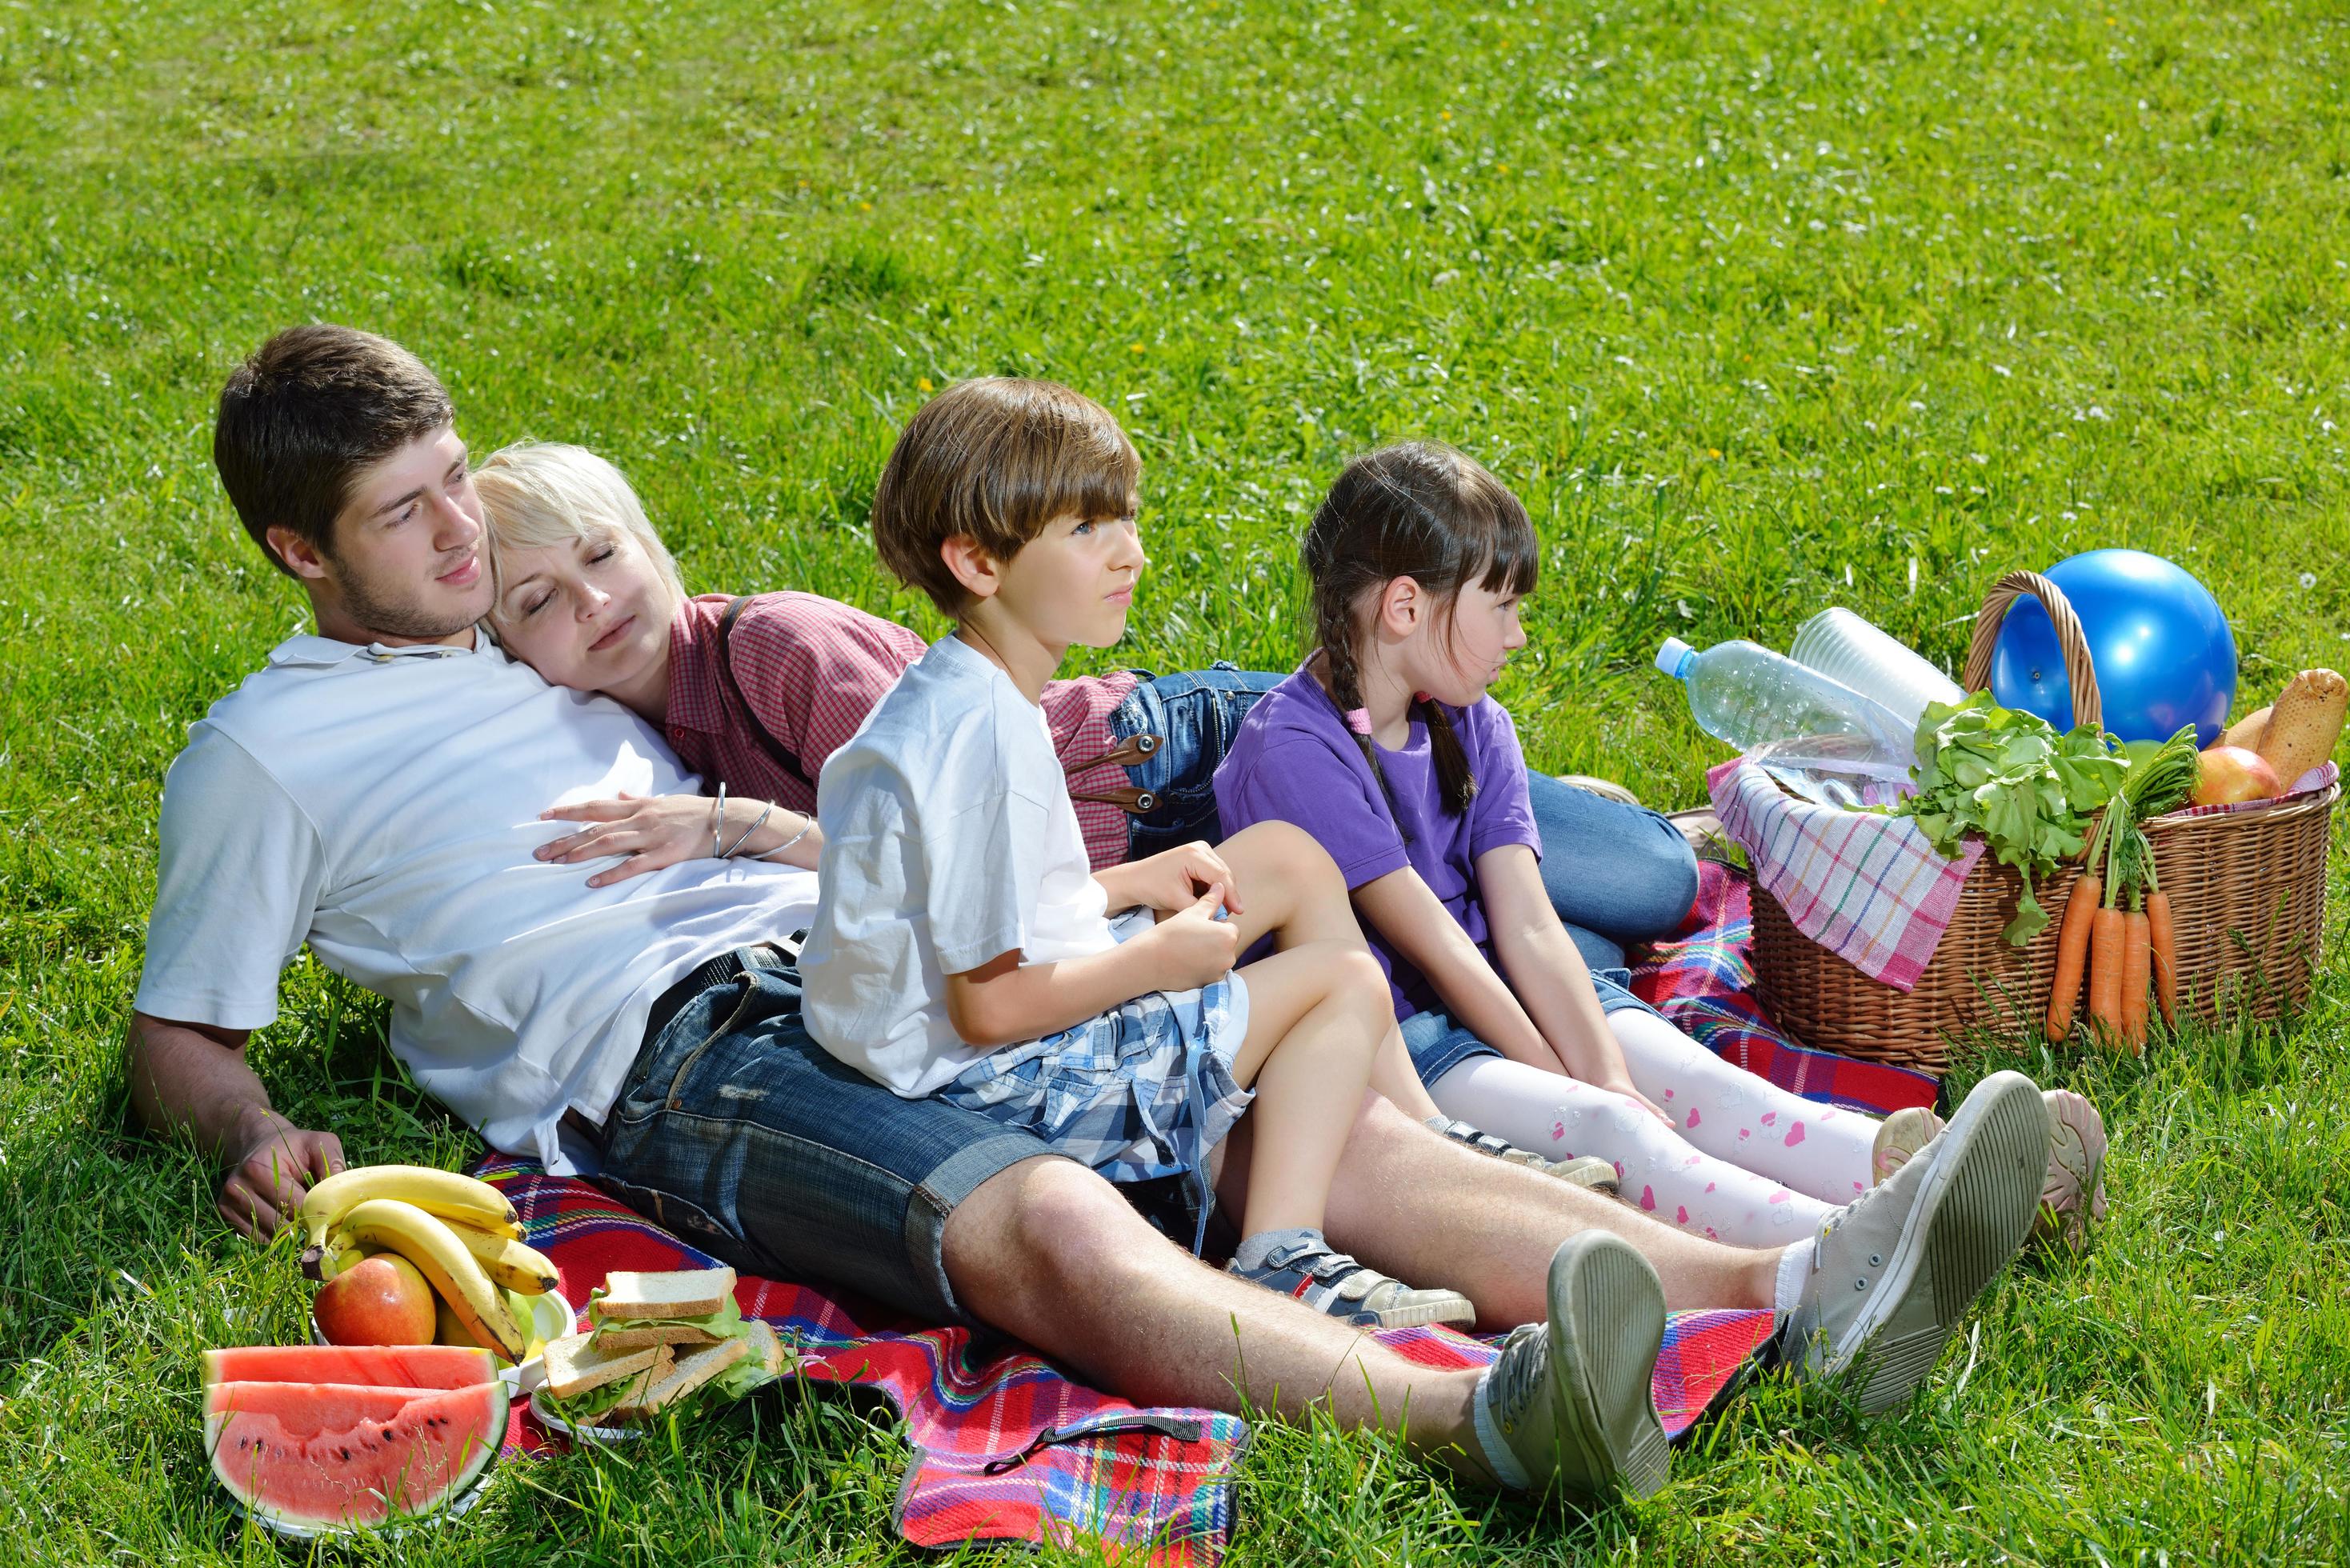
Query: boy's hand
pixel 1192 947
pixel 1172 879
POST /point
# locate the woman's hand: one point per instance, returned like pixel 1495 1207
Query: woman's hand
pixel 648 832
pixel 1170 880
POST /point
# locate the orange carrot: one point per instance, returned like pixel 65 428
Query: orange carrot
pixel 2166 954
pixel 2137 951
pixel 2072 954
pixel 2105 976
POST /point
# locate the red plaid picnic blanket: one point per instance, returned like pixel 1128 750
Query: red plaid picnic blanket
pixel 1703 982
pixel 1006 1448
pixel 1871 889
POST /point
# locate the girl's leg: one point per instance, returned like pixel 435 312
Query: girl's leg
pixel 1317 1016
pixel 1731 1113
pixel 1561 1118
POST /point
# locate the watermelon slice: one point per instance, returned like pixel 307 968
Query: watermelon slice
pixel 310 1455
pixel 380 1365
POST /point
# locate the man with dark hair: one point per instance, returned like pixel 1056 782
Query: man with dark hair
pixel 376 793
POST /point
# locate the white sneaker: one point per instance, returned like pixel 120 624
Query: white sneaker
pixel 1894 1271
pixel 1898 1137
pixel 1569 1398
pixel 2073 1197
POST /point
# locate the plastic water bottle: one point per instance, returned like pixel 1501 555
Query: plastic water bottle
pixel 1851 653
pixel 1823 740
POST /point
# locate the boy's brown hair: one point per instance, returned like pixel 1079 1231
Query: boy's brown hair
pixel 305 415
pixel 995 460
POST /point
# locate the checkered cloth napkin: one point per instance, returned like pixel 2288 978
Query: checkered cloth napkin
pixel 1871 889
pixel 1005 1446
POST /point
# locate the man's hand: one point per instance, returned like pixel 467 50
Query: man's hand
pixel 268 1181
pixel 649 831
pixel 1171 880
pixel 1192 948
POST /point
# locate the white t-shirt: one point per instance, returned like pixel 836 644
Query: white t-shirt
pixel 949 840
pixel 383 803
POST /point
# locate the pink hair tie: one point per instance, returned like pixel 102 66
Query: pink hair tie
pixel 1359 721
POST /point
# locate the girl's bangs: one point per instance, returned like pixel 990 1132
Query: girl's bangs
pixel 1513 562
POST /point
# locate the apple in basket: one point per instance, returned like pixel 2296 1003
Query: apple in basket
pixel 2233 773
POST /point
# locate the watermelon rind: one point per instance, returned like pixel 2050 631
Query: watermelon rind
pixel 268 1409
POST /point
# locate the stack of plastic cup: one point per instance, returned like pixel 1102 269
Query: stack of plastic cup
pixel 1848 650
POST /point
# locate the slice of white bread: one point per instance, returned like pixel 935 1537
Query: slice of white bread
pixel 672 1293
pixel 574 1366
pixel 766 1348
pixel 616 1336
pixel 692 1370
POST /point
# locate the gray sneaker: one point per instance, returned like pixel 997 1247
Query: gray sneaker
pixel 1582 1171
pixel 1570 1398
pixel 1894 1271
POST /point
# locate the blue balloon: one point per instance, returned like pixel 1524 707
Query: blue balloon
pixel 2163 651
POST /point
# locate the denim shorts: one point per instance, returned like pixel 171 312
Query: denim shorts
pixel 744 1135
pixel 1438 1044
pixel 1195 714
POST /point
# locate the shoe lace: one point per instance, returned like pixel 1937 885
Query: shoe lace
pixel 1522 1371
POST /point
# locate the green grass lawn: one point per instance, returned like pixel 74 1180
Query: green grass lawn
pixel 1760 308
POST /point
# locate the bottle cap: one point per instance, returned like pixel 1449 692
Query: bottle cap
pixel 1675 658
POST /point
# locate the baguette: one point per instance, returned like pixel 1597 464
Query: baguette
pixel 2247 730
pixel 2306 724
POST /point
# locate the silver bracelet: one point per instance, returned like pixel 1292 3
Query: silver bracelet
pixel 808 824
pixel 718 822
pixel 765 808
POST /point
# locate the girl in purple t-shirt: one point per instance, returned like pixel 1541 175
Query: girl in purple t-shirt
pixel 1385 746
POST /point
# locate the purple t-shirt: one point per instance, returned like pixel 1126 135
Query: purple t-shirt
pixel 1295 761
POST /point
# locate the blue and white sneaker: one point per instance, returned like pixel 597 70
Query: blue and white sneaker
pixel 1300 1264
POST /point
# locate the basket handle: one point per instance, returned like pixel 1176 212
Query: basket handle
pixel 2089 708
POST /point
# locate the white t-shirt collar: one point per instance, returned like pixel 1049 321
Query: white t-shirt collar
pixel 308 650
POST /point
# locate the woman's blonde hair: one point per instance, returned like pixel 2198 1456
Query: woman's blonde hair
pixel 541 494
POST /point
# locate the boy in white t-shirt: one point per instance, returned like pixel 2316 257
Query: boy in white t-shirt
pixel 963 948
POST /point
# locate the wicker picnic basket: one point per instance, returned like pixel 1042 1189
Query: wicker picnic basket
pixel 2248 888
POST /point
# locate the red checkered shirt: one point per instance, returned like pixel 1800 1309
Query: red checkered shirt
pixel 811 668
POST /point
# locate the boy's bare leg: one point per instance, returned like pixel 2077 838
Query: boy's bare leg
pixel 1289 888
pixel 1048 1251
pixel 1293 893
pixel 1315 1016
pixel 1414 1204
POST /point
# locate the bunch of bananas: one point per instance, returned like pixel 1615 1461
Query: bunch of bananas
pixel 460 1233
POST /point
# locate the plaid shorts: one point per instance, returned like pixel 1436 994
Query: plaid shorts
pixel 1143 1091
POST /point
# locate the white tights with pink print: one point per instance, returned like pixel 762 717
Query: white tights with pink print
pixel 1746 1162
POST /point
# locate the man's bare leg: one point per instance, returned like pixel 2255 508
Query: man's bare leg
pixel 1049 1252
pixel 1414 1204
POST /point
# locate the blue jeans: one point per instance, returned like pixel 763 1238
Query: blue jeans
pixel 1195 715
pixel 745 1136
pixel 1616 874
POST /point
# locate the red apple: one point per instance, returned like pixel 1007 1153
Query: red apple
pixel 379 1299
pixel 2231 773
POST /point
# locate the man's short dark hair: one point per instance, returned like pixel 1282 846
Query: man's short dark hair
pixel 299 421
